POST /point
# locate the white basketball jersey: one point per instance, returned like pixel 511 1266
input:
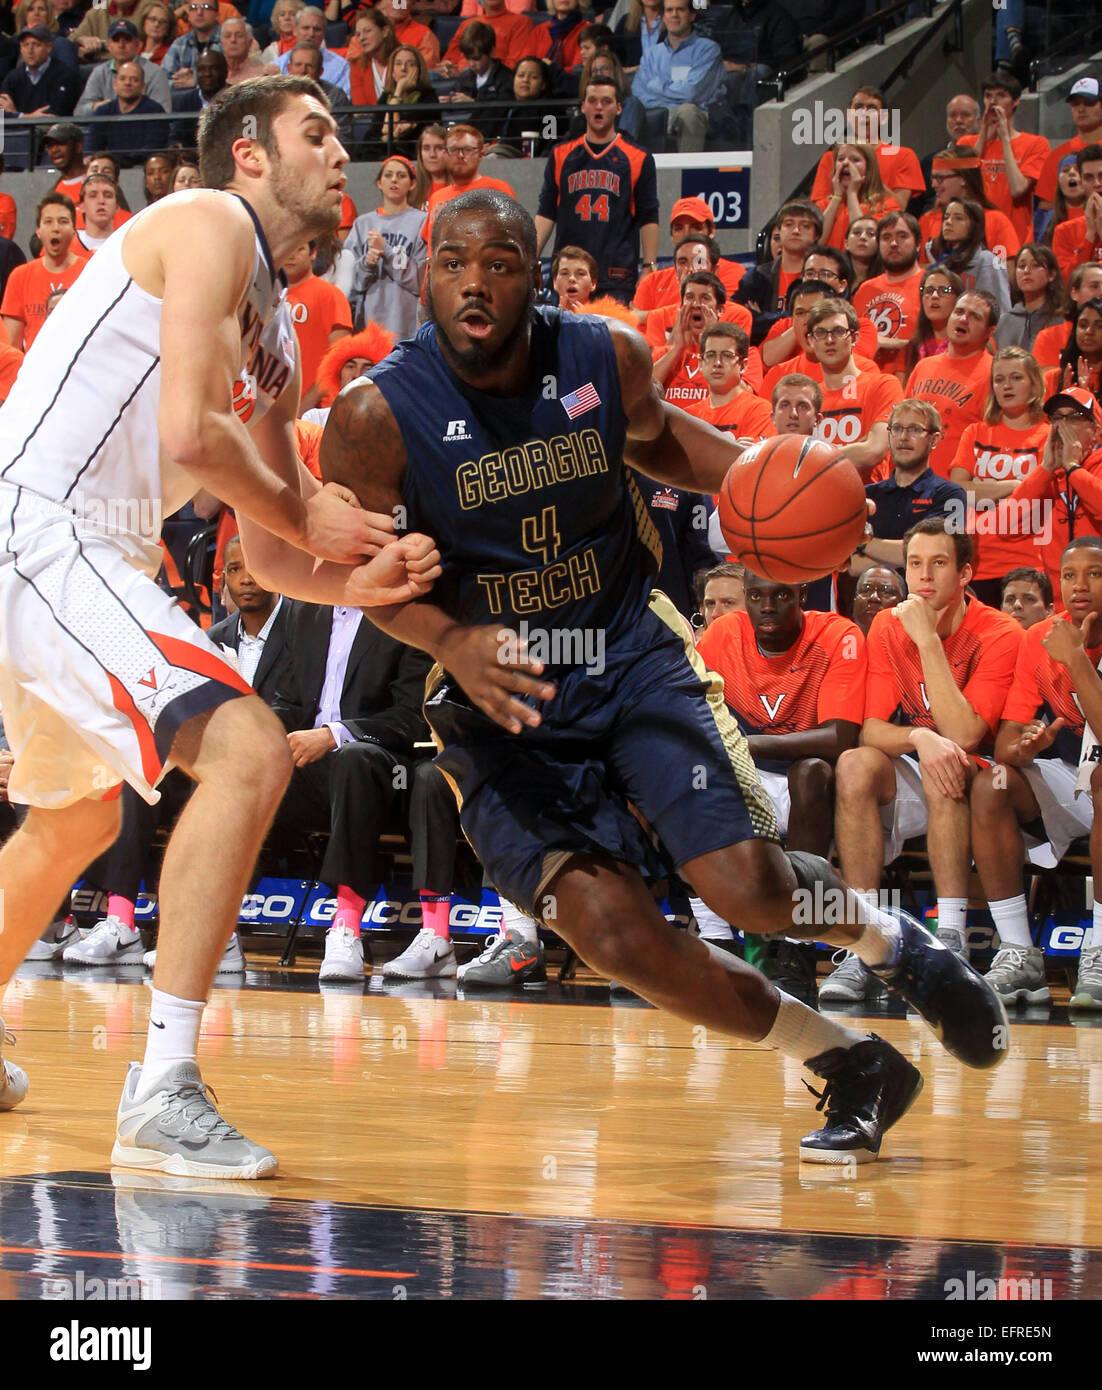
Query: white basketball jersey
pixel 80 425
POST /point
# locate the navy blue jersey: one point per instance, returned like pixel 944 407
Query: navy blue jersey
pixel 528 498
pixel 598 198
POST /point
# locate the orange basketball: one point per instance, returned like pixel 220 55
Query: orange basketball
pixel 792 509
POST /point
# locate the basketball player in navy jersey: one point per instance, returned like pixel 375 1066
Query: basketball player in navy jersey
pixel 505 428
pixel 141 388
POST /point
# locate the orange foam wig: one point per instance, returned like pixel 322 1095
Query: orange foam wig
pixel 374 343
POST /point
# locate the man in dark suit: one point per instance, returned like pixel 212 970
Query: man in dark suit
pixel 352 710
pixel 39 85
pixel 255 635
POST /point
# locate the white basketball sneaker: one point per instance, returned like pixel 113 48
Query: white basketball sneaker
pixel 427 957
pixel 13 1079
pixel 110 942
pixel 232 962
pixel 344 955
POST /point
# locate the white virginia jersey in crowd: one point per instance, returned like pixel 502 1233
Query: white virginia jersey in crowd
pixel 80 425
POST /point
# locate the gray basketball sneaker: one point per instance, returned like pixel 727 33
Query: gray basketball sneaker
pixel 1088 987
pixel 508 962
pixel 176 1129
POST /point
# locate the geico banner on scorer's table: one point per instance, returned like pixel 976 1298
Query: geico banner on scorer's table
pixel 277 902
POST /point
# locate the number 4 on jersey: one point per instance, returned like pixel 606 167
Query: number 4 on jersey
pixel 592 209
pixel 540 535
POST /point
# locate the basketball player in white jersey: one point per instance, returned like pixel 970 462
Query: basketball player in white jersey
pixel 169 367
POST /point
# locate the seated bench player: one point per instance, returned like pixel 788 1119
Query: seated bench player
pixel 1032 787
pixel 940 666
pixel 795 681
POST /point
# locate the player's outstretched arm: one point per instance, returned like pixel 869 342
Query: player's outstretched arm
pixel 362 449
pixel 662 441
pixel 285 568
pixel 200 361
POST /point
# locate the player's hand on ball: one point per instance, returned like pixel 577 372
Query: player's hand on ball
pixel 493 667
pixel 1064 639
pixel 401 572
pixel 917 616
pixel 944 762
pixel 337 528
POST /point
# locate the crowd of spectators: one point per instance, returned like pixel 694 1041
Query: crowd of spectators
pixel 936 314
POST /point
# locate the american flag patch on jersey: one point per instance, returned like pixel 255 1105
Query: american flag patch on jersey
pixel 579 401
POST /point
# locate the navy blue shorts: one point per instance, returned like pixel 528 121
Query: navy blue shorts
pixel 651 728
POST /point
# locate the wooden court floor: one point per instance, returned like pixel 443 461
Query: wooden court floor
pixel 568 1150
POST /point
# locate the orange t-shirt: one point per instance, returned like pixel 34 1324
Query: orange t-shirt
pixel 11 359
pixel 746 416
pixel 892 307
pixel 661 287
pixel 28 288
pixel 1042 685
pixel 1072 246
pixel 850 411
pixel 1046 185
pixel 1050 343
pixel 981 653
pixel 999 232
pixel 660 321
pixel 803 364
pixel 821 677
pixel 840 229
pixel 317 308
pixel 958 387
pixel 513 38
pixel 348 213
pixel 996 453
pixel 451 190
pixel 686 385
pixel 899 168
pixel 1030 152
pixel 7 216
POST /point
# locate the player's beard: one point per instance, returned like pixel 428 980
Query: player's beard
pixel 474 359
pixel 286 186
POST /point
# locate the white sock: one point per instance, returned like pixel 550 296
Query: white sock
pixel 711 924
pixel 1011 918
pixel 800 1032
pixel 1096 928
pixel 878 944
pixel 951 913
pixel 173 1036
pixel 512 919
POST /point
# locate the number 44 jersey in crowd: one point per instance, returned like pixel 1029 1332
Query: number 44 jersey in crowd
pixel 598 197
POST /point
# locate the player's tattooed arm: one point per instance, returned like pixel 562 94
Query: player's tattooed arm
pixel 662 441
